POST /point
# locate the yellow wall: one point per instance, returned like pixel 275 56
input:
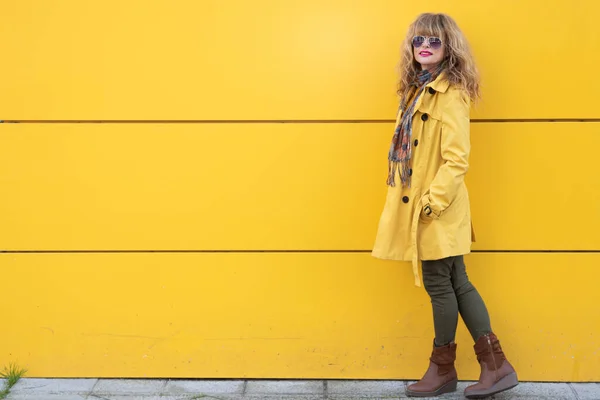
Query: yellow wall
pixel 264 228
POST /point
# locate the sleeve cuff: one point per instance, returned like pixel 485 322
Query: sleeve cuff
pixel 430 212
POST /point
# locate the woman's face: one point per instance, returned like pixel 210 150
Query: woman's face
pixel 428 51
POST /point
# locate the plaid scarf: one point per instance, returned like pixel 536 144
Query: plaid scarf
pixel 401 148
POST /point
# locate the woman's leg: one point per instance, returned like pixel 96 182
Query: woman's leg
pixel 437 278
pixel 497 374
pixel 441 375
pixel 470 304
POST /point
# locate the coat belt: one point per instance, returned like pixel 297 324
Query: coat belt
pixel 414 235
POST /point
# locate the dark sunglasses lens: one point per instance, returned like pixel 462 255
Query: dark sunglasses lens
pixel 435 43
pixel 418 41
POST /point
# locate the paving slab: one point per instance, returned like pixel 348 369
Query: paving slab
pixel 48 386
pixel 543 390
pixel 369 397
pixel 507 396
pixel 366 388
pixel 190 396
pixel 587 391
pixel 204 387
pixel 282 397
pixel 141 397
pixel 283 387
pixel 149 397
pixel 130 386
pixel 46 396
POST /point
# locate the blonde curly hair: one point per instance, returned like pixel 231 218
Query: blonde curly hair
pixel 461 70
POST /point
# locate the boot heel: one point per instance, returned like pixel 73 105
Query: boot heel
pixel 449 387
pixel 504 384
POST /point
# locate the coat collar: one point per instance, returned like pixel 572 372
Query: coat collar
pixel 440 84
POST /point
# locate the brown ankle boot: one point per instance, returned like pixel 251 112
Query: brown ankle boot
pixel 440 377
pixel 497 375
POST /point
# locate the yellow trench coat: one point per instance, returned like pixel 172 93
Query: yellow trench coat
pixel 440 160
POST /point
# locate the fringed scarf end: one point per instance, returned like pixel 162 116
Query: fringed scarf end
pixel 402 169
pixel 391 179
pixel 406 174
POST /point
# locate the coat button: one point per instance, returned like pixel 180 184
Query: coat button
pixel 405 199
pixel 410 172
pixel 416 142
pixel 431 90
pixel 424 117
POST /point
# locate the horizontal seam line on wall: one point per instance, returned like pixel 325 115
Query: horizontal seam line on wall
pixel 264 251
pixel 283 121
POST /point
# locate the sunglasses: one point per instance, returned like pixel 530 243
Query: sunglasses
pixel 433 42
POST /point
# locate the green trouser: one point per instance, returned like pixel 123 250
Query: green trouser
pixel 451 292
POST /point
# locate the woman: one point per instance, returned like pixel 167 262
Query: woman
pixel 427 213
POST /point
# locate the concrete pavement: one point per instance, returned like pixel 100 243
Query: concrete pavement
pixel 175 389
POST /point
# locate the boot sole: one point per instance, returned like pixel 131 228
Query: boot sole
pixel 447 388
pixel 506 383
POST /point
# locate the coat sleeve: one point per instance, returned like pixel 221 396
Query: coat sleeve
pixel 455 143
